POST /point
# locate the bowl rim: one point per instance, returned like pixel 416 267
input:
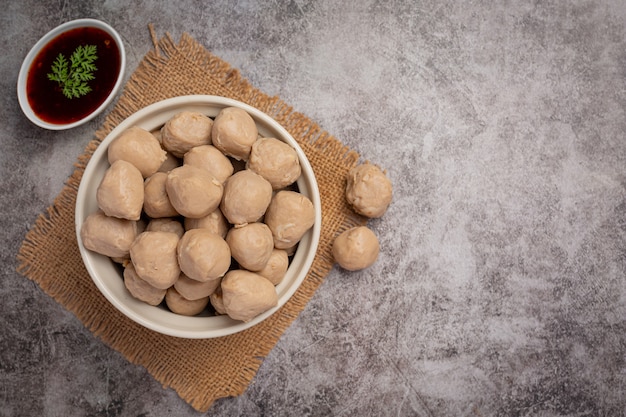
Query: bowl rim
pixel 171 106
pixel 41 43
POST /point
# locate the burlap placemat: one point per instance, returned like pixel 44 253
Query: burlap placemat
pixel 200 371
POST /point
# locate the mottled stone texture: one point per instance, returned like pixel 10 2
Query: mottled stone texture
pixel 500 286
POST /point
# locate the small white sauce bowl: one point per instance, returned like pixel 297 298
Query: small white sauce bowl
pixel 32 55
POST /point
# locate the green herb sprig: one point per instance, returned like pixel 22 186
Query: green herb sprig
pixel 73 76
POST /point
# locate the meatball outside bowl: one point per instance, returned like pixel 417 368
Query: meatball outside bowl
pixel 107 274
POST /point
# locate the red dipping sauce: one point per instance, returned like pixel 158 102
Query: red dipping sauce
pixel 46 97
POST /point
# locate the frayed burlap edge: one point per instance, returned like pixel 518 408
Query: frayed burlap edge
pixel 49 254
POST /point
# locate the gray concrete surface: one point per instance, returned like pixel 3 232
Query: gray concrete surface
pixel 500 287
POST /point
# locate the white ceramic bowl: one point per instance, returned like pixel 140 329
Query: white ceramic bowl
pixel 22 80
pixel 107 276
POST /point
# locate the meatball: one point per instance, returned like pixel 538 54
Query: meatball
pixel 202 255
pixel 275 161
pixel 212 159
pixel 120 193
pixel 234 131
pixel 156 202
pixel 165 224
pixel 356 248
pixel 289 216
pixel 217 301
pixel 368 190
pixel 251 245
pixel 246 197
pixel 108 236
pixel 193 192
pixel 154 256
pixel 186 130
pixel 214 221
pixel 180 305
pixel 246 294
pixel 140 148
pixel 140 289
pixel 194 290
pixel 276 267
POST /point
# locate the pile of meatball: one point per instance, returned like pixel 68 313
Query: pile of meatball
pixel 201 212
